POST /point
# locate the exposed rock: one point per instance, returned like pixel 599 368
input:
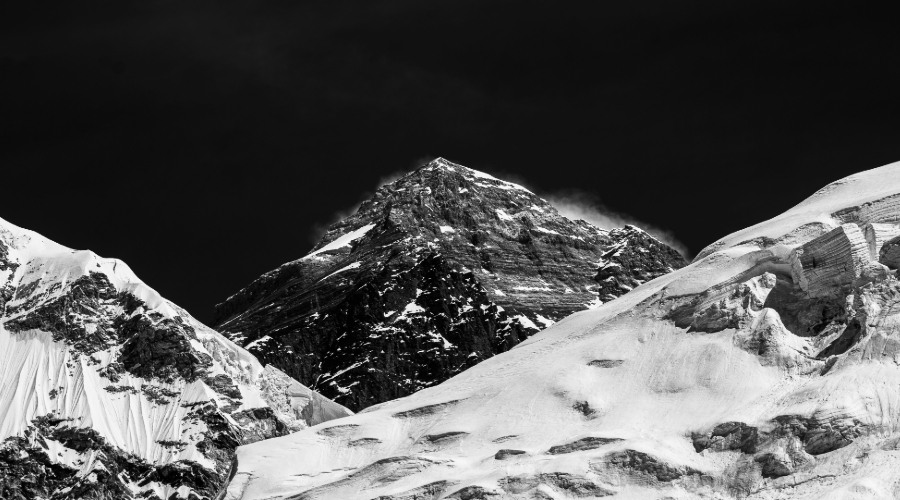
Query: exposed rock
pixel 107 384
pixel 386 470
pixel 775 345
pixel 258 424
pixel 570 484
pixel 729 306
pixel 889 255
pixel 818 436
pixel 223 385
pixel 584 408
pixel 425 410
pixel 337 430
pixel 430 491
pixel 641 463
pixel 504 454
pixel 473 493
pixel 606 363
pixel 588 443
pixel 728 436
pixel 440 270
pixel 634 258
pixel 444 437
pixel 775 464
pixel 364 442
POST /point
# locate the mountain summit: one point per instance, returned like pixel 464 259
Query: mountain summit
pixel 440 270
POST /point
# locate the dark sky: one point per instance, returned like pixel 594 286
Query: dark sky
pixel 203 141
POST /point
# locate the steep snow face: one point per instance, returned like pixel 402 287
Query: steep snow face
pixel 108 389
pixel 440 270
pixel 766 369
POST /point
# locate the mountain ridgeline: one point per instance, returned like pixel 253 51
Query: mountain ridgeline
pixel 440 270
pixel 109 391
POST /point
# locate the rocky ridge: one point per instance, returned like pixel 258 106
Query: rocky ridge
pixel 108 391
pixel 769 368
pixel 439 271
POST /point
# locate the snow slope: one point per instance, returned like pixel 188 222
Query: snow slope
pixel 87 347
pixel 739 376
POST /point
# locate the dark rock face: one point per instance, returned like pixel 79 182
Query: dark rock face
pixel 635 258
pixel 440 270
pixel 26 471
pixel 430 491
pixel 161 350
pixel 73 318
pixel 606 363
pixel 728 436
pixel 588 443
pixel 642 463
pixel 570 484
pixel 504 454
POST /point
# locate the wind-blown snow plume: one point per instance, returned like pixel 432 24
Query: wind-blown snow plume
pixel 319 229
pixel 571 203
pixel 576 204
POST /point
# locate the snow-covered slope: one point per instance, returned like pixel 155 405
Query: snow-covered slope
pixel 441 269
pixel 107 390
pixel 769 368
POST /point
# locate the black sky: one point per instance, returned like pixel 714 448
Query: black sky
pixel 203 141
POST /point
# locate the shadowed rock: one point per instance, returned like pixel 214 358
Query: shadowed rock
pixel 643 463
pixel 570 484
pixel 504 454
pixel 364 442
pixel 338 430
pixel 588 443
pixel 430 491
pixel 728 436
pixel 424 411
pixel 473 493
pixel 444 437
pixel 606 363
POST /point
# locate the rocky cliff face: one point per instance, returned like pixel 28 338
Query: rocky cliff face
pixel 767 369
pixel 439 271
pixel 108 391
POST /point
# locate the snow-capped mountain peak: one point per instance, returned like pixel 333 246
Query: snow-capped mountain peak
pixel 107 390
pixel 767 369
pixel 439 270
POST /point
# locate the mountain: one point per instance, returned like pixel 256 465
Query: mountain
pixel 440 270
pixel 109 391
pixel 769 368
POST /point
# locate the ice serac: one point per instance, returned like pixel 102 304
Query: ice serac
pixel 767 369
pixel 109 391
pixel 440 270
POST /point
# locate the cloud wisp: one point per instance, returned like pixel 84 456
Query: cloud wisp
pixel 575 204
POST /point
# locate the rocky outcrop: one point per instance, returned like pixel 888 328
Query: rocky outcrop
pixel 440 270
pixel 634 258
pixel 108 391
